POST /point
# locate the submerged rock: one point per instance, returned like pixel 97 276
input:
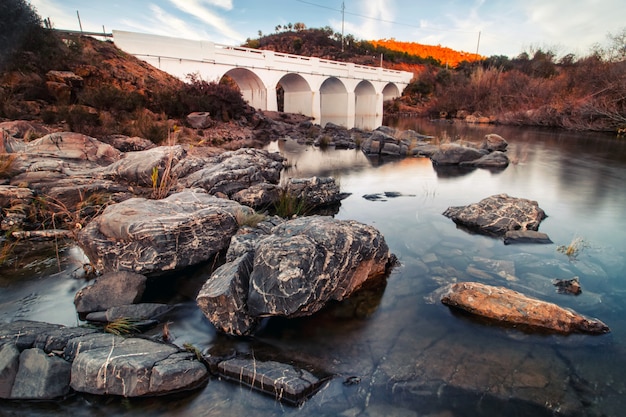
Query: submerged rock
pixel 512 308
pixel 525 236
pixel 497 215
pixel 282 381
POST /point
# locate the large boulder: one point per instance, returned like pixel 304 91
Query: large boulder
pixel 71 145
pixel 139 167
pixel 149 236
pixel 301 266
pixel 234 171
pixel 314 192
pixel 498 214
pixel 512 308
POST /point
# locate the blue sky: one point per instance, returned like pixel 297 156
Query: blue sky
pixel 494 27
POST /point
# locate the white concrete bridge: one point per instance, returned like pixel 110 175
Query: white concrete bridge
pixel 329 91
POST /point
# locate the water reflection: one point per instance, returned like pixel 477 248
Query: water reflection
pixel 409 353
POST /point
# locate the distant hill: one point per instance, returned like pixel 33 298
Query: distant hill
pixel 445 55
pixel 325 43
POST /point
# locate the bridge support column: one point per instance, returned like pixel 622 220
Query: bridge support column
pixel 379 111
pixel 351 110
pixel 316 106
pixel 272 100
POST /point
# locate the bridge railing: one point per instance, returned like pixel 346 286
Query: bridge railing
pixel 277 57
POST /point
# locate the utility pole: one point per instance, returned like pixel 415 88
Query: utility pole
pixel 478 43
pixel 79 23
pixel 343 12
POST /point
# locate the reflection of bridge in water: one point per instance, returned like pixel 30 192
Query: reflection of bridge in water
pixel 329 91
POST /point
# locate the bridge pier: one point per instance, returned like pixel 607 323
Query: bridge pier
pixel 346 94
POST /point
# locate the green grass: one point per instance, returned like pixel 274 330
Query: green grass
pixel 289 205
pixel 121 327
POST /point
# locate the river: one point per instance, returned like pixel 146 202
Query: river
pixel 403 352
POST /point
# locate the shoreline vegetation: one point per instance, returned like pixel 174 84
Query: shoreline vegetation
pixel 114 93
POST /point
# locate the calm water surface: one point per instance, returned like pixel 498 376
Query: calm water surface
pixel 413 356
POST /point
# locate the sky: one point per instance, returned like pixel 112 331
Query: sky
pixel 489 27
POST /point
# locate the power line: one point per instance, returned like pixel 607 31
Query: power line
pixel 378 19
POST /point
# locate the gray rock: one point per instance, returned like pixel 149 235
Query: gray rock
pixel 137 167
pixel 525 236
pixel 24 333
pixel 498 214
pixel 135 312
pixel 424 149
pixel 125 143
pixel 9 363
pixel 131 367
pixel 453 154
pixel 70 145
pixel 223 298
pixel 55 339
pixel 258 196
pixel 377 141
pixel 298 268
pixel 40 376
pixel 493 142
pixel 309 261
pixel 282 381
pixel 199 120
pixel 494 159
pixel 234 171
pixel 21 128
pixel 110 290
pixel 391 149
pixel 179 371
pixel 149 236
pixel 314 192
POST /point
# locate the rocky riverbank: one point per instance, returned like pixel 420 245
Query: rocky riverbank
pixel 141 213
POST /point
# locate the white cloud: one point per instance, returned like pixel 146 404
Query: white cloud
pixel 166 24
pixel 198 9
pixel 59 17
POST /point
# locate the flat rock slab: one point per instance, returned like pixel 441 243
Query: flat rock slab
pixel 105 364
pixel 512 308
pixel 525 236
pixel 497 215
pixel 285 382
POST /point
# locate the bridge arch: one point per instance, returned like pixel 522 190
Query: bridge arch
pixel 333 102
pixel 390 91
pixel 251 85
pixel 298 95
pixel 365 100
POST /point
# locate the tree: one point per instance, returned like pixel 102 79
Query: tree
pixel 19 26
